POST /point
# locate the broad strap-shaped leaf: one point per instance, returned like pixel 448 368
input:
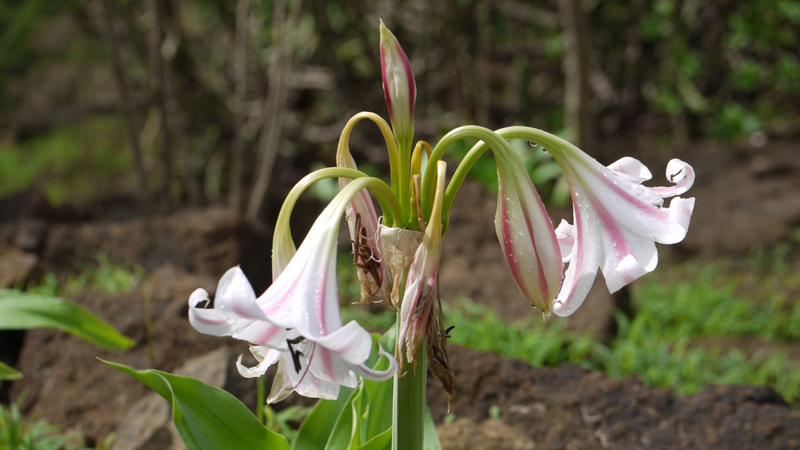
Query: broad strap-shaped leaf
pixel 21 311
pixel 316 429
pixel 379 414
pixel 8 373
pixel 207 417
pixel 341 433
pixel 430 440
pixel 382 441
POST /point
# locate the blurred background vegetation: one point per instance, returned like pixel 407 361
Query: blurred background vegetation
pixel 186 102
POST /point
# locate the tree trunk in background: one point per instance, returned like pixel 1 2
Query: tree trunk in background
pixel 157 74
pixel 240 88
pixel 577 91
pixel 276 101
pixel 179 121
pixel 125 104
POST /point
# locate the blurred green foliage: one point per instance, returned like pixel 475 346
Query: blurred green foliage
pixel 70 163
pixel 20 433
pixel 665 68
pixel 106 277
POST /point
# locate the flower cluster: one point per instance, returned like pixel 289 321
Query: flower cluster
pixel 296 323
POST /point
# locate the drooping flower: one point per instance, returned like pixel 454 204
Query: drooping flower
pixel 421 283
pixel 526 235
pixel 399 86
pixel 296 322
pixel 617 221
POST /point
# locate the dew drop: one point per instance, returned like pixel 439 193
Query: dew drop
pixel 533 144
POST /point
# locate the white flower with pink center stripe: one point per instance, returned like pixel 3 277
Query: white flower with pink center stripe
pixel 296 322
pixel 617 221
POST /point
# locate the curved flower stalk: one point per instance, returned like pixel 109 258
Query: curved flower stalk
pixel 523 227
pixel 374 274
pixel 297 322
pixel 617 220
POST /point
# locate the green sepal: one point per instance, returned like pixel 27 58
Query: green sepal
pixel 207 417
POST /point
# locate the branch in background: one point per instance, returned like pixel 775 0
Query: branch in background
pixel 179 131
pixel 276 101
pixel 157 75
pixel 125 104
pixel 240 87
pixel 577 90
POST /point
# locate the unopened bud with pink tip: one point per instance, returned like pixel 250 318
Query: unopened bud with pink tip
pixel 399 86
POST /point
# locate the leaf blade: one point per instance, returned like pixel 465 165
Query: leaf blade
pixel 21 311
pixel 8 373
pixel 207 417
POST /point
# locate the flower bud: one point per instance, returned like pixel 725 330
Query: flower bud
pixel 399 86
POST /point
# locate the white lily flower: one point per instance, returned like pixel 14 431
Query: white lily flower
pixel 617 221
pixel 298 316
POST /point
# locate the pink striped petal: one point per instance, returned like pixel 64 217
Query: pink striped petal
pixel 617 222
pixel 526 235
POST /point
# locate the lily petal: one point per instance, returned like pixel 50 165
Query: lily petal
pixel 297 321
pixel 617 221
pixel 526 235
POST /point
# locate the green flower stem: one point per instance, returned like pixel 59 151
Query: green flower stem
pixel 261 399
pixel 282 238
pixel 535 135
pixel 391 146
pixel 409 404
pixel 489 139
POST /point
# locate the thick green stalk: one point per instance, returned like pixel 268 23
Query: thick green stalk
pixel 409 404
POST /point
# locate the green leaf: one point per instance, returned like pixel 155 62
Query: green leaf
pixel 8 373
pixel 360 407
pixel 340 435
pixel 381 393
pixel 20 311
pixel 430 440
pixel 207 417
pixel 316 429
pixel 382 441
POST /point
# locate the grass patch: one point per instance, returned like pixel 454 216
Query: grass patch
pixel 106 277
pixel 20 433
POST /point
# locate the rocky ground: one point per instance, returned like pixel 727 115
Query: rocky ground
pixel 752 192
